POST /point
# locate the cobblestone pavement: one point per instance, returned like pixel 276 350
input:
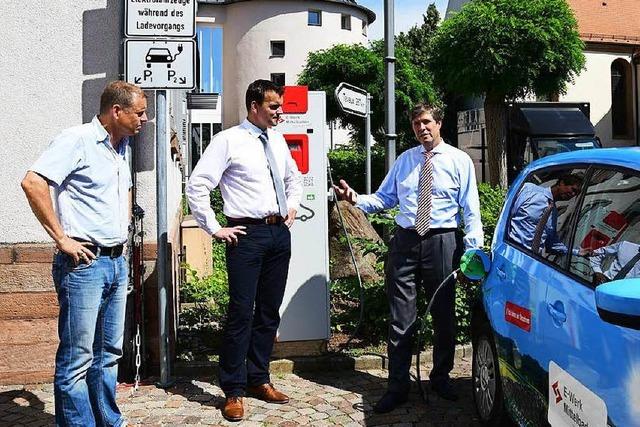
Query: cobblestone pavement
pixel 317 399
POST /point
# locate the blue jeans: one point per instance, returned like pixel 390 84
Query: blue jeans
pixel 92 299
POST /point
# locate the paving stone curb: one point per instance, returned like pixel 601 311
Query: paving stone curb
pixel 329 362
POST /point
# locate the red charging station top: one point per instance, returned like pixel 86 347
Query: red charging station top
pixel 295 99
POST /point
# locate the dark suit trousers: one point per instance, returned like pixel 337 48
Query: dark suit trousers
pixel 258 268
pixel 415 261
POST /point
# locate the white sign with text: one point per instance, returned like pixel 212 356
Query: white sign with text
pixel 160 18
pixel 352 99
pixel 571 403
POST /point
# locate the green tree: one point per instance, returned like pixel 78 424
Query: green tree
pixel 502 50
pixel 363 67
pixel 416 40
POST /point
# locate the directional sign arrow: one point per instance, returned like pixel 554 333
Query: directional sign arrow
pixel 137 80
pixel 352 99
pixel 183 80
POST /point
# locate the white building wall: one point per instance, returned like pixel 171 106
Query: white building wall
pixel 57 58
pixel 249 28
pixel 593 85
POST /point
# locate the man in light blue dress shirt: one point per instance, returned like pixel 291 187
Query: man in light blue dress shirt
pixel 529 210
pixel 87 169
pixel 416 259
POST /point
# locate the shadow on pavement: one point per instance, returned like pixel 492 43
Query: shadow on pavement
pixel 21 407
pixel 435 412
pixel 194 393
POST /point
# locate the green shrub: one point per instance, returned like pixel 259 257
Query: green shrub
pixel 348 163
pixel 491 201
pixel 345 292
pixel 206 298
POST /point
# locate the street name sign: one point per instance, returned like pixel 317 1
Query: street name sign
pixel 352 99
pixel 160 18
pixel 160 64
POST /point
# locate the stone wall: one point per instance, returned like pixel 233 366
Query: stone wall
pixel 28 314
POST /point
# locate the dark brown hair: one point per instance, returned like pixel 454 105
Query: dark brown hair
pixel 257 90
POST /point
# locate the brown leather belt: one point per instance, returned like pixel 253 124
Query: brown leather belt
pixel 271 219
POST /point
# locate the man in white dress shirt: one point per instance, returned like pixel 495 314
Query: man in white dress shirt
pixel 261 188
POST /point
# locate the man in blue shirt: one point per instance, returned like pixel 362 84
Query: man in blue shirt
pixel 534 220
pixel 430 184
pixel 87 169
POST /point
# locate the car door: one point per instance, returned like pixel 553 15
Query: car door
pixel 594 366
pixel 517 295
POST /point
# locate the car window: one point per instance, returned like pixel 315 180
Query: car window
pixel 607 238
pixel 540 215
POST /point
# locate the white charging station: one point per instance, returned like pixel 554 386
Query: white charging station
pixel 305 308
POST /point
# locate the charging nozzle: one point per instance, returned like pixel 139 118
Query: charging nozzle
pixel 475 264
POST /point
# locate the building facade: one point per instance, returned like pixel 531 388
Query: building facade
pixel 611 33
pixel 270 39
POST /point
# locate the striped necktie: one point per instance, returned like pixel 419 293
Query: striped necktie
pixel 278 184
pixel 423 214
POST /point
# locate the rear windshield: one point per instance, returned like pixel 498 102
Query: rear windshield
pixel 547 147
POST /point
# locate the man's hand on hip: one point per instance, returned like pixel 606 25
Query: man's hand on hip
pixel 291 216
pixel 230 234
pixel 344 192
pixel 76 250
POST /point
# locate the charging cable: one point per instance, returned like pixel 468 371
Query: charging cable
pixel 353 260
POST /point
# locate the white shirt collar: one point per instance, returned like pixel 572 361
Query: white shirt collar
pixel 253 130
pixel 101 132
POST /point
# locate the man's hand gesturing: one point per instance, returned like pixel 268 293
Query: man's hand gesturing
pixel 230 234
pixel 344 192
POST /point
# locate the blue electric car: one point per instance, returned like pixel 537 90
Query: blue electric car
pixel 556 332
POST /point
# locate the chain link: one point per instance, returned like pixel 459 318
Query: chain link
pixel 138 359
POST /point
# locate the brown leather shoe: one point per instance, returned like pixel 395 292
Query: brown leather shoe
pixel 233 410
pixel 267 393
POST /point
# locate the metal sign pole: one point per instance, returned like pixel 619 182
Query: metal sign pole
pixel 390 85
pixel 161 55
pixel 161 210
pixel 367 145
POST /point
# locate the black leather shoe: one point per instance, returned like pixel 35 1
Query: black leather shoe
pixel 389 402
pixel 445 391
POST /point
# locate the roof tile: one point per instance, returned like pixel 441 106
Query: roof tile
pixel 608 21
